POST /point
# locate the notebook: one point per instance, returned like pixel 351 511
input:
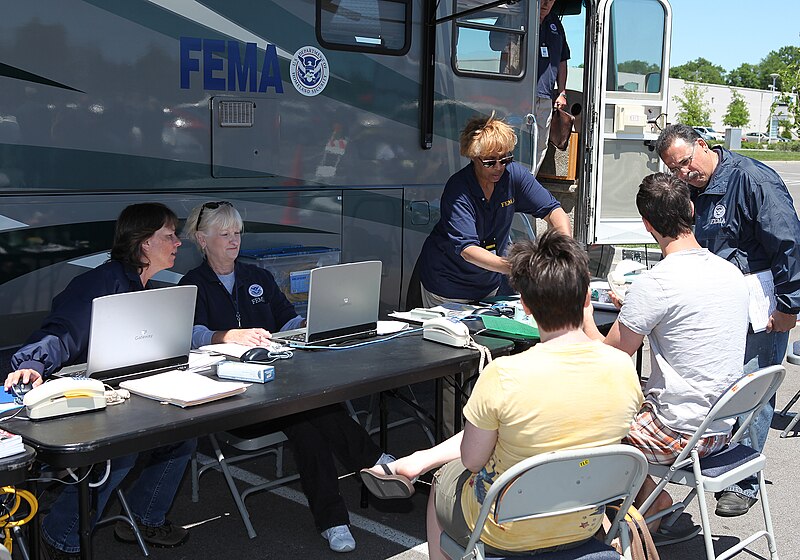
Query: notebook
pixel 343 303
pixel 138 333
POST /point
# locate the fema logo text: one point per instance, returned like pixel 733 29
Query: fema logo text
pixel 309 71
pixel 222 66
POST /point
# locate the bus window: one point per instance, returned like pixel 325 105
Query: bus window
pixel 380 26
pixel 636 46
pixel 491 42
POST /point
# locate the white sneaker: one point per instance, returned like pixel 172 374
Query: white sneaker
pixel 339 538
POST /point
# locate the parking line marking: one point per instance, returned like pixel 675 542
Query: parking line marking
pixel 373 527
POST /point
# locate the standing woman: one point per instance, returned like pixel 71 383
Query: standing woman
pixel 463 258
pixel 238 302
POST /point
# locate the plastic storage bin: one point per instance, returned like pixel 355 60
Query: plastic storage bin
pixel 291 267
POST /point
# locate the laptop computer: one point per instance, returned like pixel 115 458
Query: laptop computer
pixel 343 301
pixel 135 334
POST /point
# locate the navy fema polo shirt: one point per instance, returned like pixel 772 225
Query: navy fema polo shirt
pixel 467 218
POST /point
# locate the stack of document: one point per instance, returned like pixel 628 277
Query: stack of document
pixel 10 444
pixel 182 388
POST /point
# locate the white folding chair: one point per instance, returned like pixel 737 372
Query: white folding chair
pixel 734 463
pixel 250 448
pixel 793 357
pixel 557 483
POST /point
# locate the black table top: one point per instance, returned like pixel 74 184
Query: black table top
pixel 310 379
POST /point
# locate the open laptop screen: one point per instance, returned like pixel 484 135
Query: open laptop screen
pixel 137 333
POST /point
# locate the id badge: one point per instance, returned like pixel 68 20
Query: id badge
pixel 543 50
pixel 490 245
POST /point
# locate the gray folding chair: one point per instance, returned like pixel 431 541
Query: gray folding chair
pixel 734 463
pixel 557 483
pixel 251 448
pixel 793 357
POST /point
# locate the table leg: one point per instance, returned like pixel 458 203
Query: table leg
pixel 439 410
pixel 458 382
pixel 383 410
pixel 85 525
pixel 639 353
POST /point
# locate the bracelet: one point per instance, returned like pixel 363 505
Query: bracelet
pixel 562 93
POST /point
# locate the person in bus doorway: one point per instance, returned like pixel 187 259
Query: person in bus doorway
pixel 745 214
pixel 144 244
pixel 552 73
pixel 463 258
pixel 553 53
pixel 241 303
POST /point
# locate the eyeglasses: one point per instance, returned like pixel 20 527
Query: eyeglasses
pixel 210 206
pixel 685 163
pixel 492 162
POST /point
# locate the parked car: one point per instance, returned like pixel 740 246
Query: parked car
pixel 708 133
pixel 756 137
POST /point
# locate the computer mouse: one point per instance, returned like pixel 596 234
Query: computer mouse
pixel 256 354
pixel 19 389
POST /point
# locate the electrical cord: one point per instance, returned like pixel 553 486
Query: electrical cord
pixel 6 520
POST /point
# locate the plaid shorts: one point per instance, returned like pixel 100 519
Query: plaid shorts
pixel 661 444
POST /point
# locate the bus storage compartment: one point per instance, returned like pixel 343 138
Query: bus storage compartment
pixel 291 267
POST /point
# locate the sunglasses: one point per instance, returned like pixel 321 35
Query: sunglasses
pixel 210 206
pixel 492 162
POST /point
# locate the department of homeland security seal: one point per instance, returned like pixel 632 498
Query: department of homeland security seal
pixel 718 214
pixel 309 71
pixel 256 290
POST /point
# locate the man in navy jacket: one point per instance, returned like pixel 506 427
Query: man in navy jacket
pixel 744 214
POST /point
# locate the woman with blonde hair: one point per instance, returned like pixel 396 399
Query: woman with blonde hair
pixel 463 258
pixel 239 302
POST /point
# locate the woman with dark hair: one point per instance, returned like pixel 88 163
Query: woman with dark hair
pixel 144 244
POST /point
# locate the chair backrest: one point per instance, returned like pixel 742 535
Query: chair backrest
pixel 566 481
pixel 744 398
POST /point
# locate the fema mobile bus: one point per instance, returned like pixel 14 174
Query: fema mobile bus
pixel 328 123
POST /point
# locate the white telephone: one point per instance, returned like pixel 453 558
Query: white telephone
pixel 446 330
pixel 64 396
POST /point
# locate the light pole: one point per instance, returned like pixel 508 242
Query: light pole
pixel 773 124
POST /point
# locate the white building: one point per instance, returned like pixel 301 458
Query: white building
pixel 718 97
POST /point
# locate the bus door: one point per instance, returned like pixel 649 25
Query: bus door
pixel 629 79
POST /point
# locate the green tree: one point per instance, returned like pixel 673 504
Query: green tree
pixel 746 75
pixel 639 67
pixel 694 109
pixel 737 115
pixel 699 70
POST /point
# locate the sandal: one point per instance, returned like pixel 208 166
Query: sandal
pixel 389 485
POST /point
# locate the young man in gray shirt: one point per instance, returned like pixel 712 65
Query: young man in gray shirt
pixel 692 306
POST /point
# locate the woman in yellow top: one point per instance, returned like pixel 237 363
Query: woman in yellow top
pixel 567 392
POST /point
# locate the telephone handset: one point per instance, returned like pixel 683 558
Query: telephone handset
pixel 446 330
pixel 64 396
pixel 621 277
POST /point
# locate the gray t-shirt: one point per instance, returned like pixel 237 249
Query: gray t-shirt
pixel 692 306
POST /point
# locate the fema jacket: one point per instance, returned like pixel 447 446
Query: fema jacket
pixel 63 338
pixel 256 301
pixel 746 216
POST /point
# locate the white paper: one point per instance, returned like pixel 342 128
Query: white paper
pixel 227 348
pixel 182 388
pixel 762 299
pixel 391 327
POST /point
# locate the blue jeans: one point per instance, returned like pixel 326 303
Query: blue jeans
pixel 762 350
pixel 149 498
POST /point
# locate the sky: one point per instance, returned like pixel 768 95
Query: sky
pixel 731 32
